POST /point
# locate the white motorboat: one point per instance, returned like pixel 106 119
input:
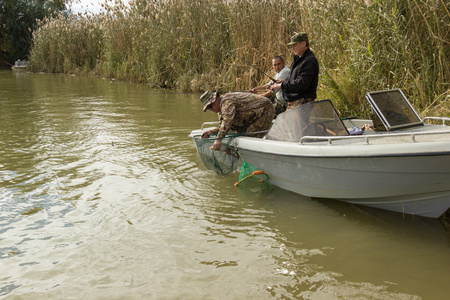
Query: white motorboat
pixel 403 168
pixel 20 66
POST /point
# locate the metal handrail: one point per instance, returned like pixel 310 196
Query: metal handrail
pixel 367 138
pixel 209 123
pixel 248 134
pixel 443 119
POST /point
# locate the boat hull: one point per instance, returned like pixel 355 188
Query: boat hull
pixel 412 181
pixel 19 68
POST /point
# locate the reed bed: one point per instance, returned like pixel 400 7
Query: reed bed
pixel 194 45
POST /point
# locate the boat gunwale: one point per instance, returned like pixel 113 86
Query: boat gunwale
pixel 352 150
pixel 363 156
pixel 318 146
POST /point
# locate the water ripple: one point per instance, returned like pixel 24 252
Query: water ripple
pixel 102 195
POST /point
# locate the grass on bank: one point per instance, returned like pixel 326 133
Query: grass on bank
pixel 195 45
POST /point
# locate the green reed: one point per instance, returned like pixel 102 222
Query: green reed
pixel 361 45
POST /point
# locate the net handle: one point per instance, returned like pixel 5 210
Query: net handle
pixel 258 172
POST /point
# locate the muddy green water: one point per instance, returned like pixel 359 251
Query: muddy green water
pixel 103 196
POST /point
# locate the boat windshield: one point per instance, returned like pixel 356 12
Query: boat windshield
pixel 317 118
pixel 393 109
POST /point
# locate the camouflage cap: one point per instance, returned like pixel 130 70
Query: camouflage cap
pixel 298 37
pixel 207 98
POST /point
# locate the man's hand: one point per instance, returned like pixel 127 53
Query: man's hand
pixel 206 134
pixel 257 89
pixel 216 146
pixel 276 86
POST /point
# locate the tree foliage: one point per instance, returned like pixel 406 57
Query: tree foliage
pixel 18 20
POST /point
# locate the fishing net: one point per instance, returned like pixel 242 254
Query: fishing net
pixel 222 162
pixel 253 180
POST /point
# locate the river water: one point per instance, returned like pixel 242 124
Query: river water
pixel 103 196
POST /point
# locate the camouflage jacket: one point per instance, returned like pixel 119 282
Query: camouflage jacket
pixel 238 110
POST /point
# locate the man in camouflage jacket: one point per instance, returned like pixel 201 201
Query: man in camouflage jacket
pixel 241 112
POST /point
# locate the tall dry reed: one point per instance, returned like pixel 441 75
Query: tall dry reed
pixel 361 45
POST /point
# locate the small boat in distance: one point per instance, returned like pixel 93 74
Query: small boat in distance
pixel 20 65
pixel 405 167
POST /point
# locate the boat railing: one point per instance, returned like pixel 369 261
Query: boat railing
pixel 442 119
pixel 209 123
pixel 367 139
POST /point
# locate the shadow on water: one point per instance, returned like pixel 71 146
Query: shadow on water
pixel 420 227
pixel 414 226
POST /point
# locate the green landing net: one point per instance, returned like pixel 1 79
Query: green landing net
pixel 253 180
pixel 221 162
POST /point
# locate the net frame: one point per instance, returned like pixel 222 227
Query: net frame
pixel 253 180
pixel 222 162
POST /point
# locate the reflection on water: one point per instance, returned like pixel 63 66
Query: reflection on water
pixel 103 196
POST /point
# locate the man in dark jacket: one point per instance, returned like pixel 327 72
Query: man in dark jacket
pixel 301 85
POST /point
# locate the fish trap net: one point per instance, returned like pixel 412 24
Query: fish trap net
pixel 253 180
pixel 222 162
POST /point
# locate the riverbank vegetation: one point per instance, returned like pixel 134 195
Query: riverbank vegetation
pixel 17 21
pixel 194 45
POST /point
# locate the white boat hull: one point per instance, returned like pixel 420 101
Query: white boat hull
pixel 404 168
pixel 19 68
pixel 410 178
